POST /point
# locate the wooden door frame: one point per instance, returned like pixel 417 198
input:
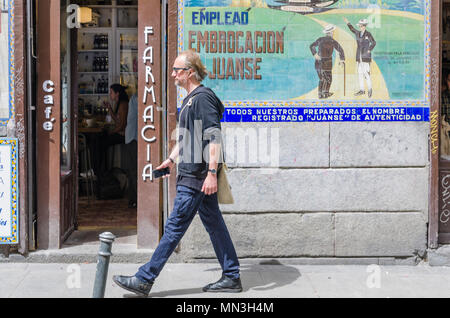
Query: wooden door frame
pixel 150 196
pixel 435 119
pixel 439 168
pixel 172 52
pixel 48 163
pixel 21 92
pixel 69 182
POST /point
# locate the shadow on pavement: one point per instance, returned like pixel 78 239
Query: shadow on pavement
pixel 284 275
pixel 168 293
pixel 266 278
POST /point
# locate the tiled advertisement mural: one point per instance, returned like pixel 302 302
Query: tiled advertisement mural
pixel 366 60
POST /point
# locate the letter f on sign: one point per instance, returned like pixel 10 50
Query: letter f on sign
pixel 148 30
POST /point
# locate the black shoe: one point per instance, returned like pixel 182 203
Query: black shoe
pixel 326 95
pixel 224 285
pixel 358 93
pixel 369 93
pixel 132 204
pixel 133 284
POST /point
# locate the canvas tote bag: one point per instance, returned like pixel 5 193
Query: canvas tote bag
pixel 224 194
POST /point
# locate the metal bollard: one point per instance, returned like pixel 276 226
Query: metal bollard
pixel 106 240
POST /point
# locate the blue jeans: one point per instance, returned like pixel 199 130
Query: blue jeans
pixel 187 202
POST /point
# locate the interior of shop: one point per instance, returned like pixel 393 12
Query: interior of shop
pixel 106 54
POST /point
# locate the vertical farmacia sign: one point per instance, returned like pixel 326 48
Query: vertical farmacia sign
pixel 317 60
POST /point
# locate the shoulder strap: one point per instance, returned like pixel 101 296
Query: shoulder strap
pixel 188 104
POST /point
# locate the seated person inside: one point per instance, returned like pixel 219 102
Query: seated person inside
pixel 119 112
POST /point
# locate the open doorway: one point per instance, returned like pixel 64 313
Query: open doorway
pixel 106 78
pixel 76 66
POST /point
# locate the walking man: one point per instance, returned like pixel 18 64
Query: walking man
pixel 365 45
pixel 200 137
pixel 322 50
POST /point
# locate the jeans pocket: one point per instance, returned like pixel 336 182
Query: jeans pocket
pixel 184 201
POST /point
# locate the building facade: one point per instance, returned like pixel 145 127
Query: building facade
pixel 327 159
pixel 321 176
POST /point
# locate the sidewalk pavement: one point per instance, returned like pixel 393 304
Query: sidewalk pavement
pixel 25 280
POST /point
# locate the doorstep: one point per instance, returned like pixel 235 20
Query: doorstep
pixel 82 247
pixel 439 256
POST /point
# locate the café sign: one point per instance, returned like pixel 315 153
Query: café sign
pixel 48 88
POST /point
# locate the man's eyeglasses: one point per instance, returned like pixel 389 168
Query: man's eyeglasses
pixel 176 69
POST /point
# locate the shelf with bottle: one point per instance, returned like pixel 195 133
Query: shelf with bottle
pixel 90 41
pixel 93 63
pixel 93 51
pixel 93 73
pixel 96 108
pixel 93 85
pixel 101 109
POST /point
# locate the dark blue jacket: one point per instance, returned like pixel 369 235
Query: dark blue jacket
pixel 365 43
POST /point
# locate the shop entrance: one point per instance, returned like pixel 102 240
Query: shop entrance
pixel 94 158
pixel 106 54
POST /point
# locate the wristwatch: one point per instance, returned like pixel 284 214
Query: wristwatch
pixel 213 171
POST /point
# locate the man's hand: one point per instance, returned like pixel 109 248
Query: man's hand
pixel 317 57
pixel 210 184
pixel 166 164
pixel 346 20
